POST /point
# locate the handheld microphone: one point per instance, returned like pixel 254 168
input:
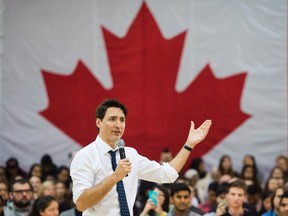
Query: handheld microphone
pixel 121 145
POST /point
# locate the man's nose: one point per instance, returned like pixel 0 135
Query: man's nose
pixel 183 199
pixel 117 123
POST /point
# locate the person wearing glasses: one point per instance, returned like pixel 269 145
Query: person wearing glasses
pixel 21 195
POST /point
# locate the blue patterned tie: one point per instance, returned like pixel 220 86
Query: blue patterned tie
pixel 124 210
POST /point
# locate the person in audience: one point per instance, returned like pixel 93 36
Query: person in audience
pixel 249 175
pixel 202 184
pixel 36 182
pixel 47 188
pixel 211 201
pixel 275 200
pixel 49 169
pixel 62 196
pixel 199 165
pixel 192 177
pixel 271 185
pixel 180 197
pixel 63 175
pixel 283 204
pixel 13 170
pixel 266 202
pixel 221 202
pixel 249 160
pixel 254 196
pixel 45 206
pixel 21 195
pixel 278 174
pixel 35 170
pixel 4 191
pixel 165 156
pixel 235 200
pixel 162 203
pixel 226 166
pixel 282 162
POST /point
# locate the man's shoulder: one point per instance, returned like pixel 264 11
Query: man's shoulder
pixel 69 212
pixel 8 207
pixel 9 210
pixel 196 210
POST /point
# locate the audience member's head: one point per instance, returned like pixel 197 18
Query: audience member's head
pixel 165 155
pixel 21 193
pixel 283 204
pixel 180 197
pixel 47 188
pixel 199 165
pixel 35 170
pixel 45 206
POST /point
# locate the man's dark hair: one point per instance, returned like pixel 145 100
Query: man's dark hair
pixel 239 183
pixel 176 187
pixel 102 108
pixel 284 195
pixel 213 186
pixel 20 181
pixel 222 189
pixel 254 189
pixel 165 150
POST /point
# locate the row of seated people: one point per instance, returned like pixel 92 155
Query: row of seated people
pixel 226 198
pixel 49 180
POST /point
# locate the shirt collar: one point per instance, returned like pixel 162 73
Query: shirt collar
pixel 103 146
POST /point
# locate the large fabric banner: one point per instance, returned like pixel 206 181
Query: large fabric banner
pixel 168 61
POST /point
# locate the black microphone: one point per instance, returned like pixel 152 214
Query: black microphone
pixel 121 145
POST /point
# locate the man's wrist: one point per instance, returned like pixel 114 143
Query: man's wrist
pixel 188 148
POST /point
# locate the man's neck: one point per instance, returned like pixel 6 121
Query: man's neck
pixel 236 211
pixel 181 213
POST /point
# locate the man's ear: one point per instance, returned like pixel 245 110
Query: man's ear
pixel 98 121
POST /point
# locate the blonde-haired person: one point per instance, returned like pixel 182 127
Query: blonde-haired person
pixel 47 188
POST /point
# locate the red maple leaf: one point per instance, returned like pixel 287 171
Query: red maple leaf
pixel 144 67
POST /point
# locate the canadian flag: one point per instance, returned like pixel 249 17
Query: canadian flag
pixel 168 61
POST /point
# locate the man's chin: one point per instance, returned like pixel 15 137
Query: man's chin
pixel 22 204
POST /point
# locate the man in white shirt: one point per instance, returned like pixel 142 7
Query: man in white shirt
pixel 94 181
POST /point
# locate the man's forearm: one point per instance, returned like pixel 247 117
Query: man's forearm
pixel 180 159
pixel 93 195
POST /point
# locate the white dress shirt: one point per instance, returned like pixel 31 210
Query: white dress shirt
pixel 93 163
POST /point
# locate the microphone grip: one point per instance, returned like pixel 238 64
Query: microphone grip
pixel 122 154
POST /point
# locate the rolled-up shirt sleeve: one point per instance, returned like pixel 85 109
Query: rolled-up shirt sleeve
pixel 150 170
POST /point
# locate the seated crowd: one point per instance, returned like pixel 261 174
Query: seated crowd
pixel 46 190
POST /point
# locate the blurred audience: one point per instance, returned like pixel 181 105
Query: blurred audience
pixel 195 192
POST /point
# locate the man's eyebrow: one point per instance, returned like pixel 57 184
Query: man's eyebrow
pixel 113 116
